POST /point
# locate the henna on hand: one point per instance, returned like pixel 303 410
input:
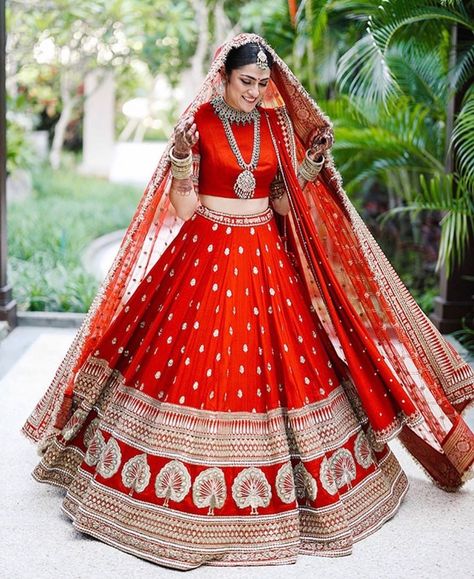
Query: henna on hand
pixel 186 136
pixel 321 139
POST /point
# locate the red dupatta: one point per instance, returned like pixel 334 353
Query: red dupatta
pixel 390 407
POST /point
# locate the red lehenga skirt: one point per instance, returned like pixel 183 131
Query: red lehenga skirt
pixel 216 425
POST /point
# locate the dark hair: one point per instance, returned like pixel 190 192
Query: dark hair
pixel 245 54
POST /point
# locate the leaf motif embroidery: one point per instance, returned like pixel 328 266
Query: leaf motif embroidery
pixel 306 487
pixel 95 449
pixel 285 483
pixel 251 489
pixel 172 482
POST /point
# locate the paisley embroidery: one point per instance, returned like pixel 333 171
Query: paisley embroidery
pixel 362 452
pixel 109 461
pixel 90 432
pixel 136 474
pixel 306 486
pixel 74 425
pixel 343 467
pixel 285 483
pixel 327 477
pixel 95 449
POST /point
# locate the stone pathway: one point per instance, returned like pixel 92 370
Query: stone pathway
pixel 429 538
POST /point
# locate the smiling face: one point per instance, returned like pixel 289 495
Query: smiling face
pixel 245 86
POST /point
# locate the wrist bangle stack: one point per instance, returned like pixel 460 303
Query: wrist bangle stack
pixel 310 169
pixel 181 168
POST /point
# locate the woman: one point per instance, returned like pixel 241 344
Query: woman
pixel 230 395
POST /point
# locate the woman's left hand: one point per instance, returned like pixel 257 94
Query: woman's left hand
pixel 316 153
pixel 320 141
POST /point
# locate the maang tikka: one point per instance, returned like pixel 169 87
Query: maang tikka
pixel 262 60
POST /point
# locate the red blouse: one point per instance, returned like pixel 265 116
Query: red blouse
pixel 218 167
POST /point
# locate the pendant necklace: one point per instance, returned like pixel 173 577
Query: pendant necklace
pixel 245 184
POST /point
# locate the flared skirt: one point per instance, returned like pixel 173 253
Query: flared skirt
pixel 214 423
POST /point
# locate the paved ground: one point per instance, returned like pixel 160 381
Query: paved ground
pixel 430 536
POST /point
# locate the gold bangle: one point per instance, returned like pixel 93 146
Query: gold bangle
pixel 180 162
pixel 181 168
pixel 309 169
pixel 181 173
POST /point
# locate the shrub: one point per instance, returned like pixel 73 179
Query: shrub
pixel 48 232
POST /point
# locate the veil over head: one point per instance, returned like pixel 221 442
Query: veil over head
pixel 403 378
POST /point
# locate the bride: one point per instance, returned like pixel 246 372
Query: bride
pixel 230 395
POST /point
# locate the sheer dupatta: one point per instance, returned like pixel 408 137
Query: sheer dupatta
pixel 408 380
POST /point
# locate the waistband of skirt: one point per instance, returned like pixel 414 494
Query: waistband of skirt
pixel 235 219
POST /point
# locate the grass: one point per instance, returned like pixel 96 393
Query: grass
pixel 48 232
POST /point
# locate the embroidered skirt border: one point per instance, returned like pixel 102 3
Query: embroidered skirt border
pixel 169 537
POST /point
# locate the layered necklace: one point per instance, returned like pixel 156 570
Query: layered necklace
pixel 245 183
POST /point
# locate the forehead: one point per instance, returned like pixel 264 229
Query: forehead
pixel 253 71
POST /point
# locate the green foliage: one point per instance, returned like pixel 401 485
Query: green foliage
pixel 364 71
pixel 48 233
pixel 463 137
pixel 401 69
pixel 169 36
pixel 388 100
pixel 271 20
pixel 465 335
pixel 436 195
pixel 19 151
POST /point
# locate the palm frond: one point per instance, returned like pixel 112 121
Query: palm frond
pixel 463 137
pixel 363 73
pixel 464 69
pixel 420 71
pixel 393 15
pixel 436 194
pixel 363 70
pixel 348 112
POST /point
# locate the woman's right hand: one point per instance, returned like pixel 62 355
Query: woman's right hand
pixel 186 136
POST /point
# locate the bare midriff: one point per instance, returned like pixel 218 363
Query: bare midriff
pixel 234 206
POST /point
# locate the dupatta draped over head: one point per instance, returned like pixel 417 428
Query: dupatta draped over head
pixel 403 378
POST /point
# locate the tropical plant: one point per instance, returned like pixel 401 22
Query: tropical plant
pixel 421 55
pixel 48 232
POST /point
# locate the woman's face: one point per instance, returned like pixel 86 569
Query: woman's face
pixel 246 86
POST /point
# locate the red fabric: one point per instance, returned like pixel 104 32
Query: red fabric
pixel 219 323
pixel 222 323
pixel 427 365
pixel 382 395
pixel 218 172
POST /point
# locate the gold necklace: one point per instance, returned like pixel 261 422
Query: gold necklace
pixel 245 183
